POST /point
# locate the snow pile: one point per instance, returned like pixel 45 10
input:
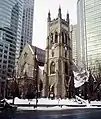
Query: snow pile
pixel 56 104
pixel 80 99
pixel 70 102
pixel 21 101
pixel 80 78
pixel 46 101
pixel 41 101
pixel 95 103
pixel 9 101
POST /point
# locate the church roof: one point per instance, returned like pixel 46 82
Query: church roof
pixel 40 53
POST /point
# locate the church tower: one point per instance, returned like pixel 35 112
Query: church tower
pixel 58 57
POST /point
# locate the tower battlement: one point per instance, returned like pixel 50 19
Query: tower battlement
pixel 58 18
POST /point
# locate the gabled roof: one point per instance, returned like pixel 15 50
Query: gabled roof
pixel 40 53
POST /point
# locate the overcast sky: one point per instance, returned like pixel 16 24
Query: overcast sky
pixel 40 17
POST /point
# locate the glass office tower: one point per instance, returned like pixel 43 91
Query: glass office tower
pixel 27 23
pixel 89 26
pixel 74 42
pixel 10 35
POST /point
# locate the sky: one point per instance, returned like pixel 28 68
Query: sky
pixel 41 8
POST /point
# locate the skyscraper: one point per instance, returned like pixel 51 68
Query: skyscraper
pixel 10 35
pixel 89 25
pixel 27 23
pixel 74 42
pixel 80 34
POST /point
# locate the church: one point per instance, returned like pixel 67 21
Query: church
pixel 58 57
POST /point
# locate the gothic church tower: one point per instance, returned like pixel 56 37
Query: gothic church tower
pixel 58 56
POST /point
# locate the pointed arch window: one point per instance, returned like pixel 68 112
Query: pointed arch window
pixel 52 68
pixel 66 68
pixel 51 37
pixel 56 37
pixel 65 53
pixel 62 37
pixel 66 38
pixel 52 53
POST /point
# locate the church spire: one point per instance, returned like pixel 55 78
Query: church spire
pixel 59 12
pixel 49 16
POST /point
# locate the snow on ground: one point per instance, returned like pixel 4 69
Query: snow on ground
pixel 95 103
pixel 42 108
pixel 46 101
pixel 55 108
pixel 69 102
pixel 9 101
pixel 25 108
pixel 58 102
pixel 64 107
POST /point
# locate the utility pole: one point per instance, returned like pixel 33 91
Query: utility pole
pixel 36 78
pixel 4 89
pixel 14 81
pixel 0 87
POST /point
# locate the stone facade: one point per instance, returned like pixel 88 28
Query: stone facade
pixel 58 57
pixel 29 69
pixel 30 57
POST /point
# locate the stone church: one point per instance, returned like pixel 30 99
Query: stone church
pixel 58 57
pixel 30 70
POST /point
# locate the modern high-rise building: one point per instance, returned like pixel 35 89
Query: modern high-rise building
pixel 89 26
pixel 10 35
pixel 27 23
pixel 80 34
pixel 74 42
